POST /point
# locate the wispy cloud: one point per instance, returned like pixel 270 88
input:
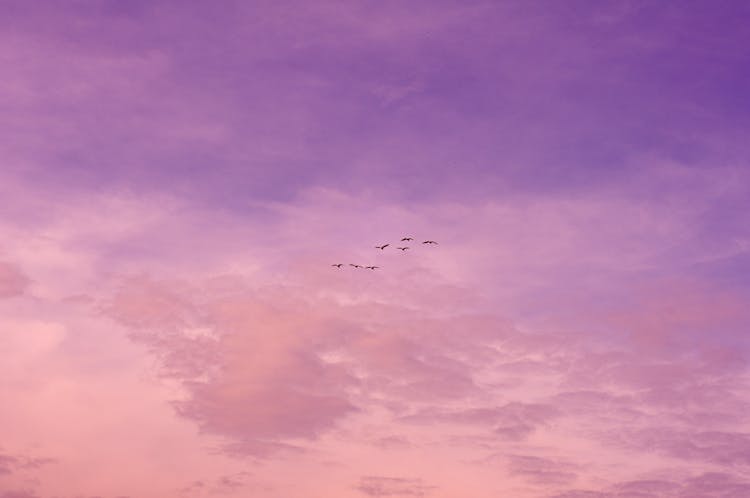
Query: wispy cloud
pixel 392 486
pixel 12 281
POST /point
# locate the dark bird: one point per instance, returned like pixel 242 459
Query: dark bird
pixel 406 239
pixel 371 267
pixel 402 248
pixel 382 247
pixel 429 242
pixel 338 265
pixel 355 266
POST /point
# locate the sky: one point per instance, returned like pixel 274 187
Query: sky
pixel 178 177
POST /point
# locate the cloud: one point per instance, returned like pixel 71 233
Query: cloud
pixel 513 421
pixel 392 486
pixel 18 494
pixel 192 488
pixel 540 470
pixel 176 182
pixel 517 420
pixel 723 448
pixel 392 442
pixel 705 485
pixel 275 364
pixel 251 381
pixel 13 463
pixel 12 281
pixel 229 483
pixel 270 352
pixel 718 484
pixel 7 462
pixel 645 488
pixel 582 493
pixel 296 361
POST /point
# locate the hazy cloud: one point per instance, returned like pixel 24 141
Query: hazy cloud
pixel 12 281
pixel 392 486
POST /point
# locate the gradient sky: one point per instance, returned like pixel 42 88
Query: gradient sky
pixel 177 177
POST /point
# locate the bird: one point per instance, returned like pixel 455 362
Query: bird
pixel 338 265
pixel 371 267
pixel 382 247
pixel 355 266
pixel 429 242
pixel 406 239
pixel 402 248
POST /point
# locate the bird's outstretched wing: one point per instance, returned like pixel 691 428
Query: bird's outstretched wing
pixel 406 239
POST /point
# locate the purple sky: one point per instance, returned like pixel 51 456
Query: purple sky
pixel 424 99
pixel 177 178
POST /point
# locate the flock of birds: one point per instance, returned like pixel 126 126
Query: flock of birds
pixel 382 248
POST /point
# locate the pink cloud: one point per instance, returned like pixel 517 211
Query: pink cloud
pixel 392 442
pixel 7 462
pixel 679 315
pixel 715 484
pixel 513 421
pixel 392 486
pixel 250 380
pixel 443 360
pixel 540 470
pixel 249 373
pixel 706 485
pixel 12 281
pixel 724 448
pixel 18 494
pixel 646 488
pixel 13 463
pixel 582 493
pixel 301 364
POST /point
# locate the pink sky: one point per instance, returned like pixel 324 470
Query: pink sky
pixel 177 180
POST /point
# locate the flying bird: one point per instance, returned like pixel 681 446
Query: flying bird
pixel 382 247
pixel 402 248
pixel 371 267
pixel 338 265
pixel 406 239
pixel 429 242
pixel 355 266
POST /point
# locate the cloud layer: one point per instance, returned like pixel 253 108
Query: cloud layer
pixel 178 181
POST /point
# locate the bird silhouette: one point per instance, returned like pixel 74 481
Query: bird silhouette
pixel 429 242
pixel 406 239
pixel 382 247
pixel 355 266
pixel 371 267
pixel 402 248
pixel 338 265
